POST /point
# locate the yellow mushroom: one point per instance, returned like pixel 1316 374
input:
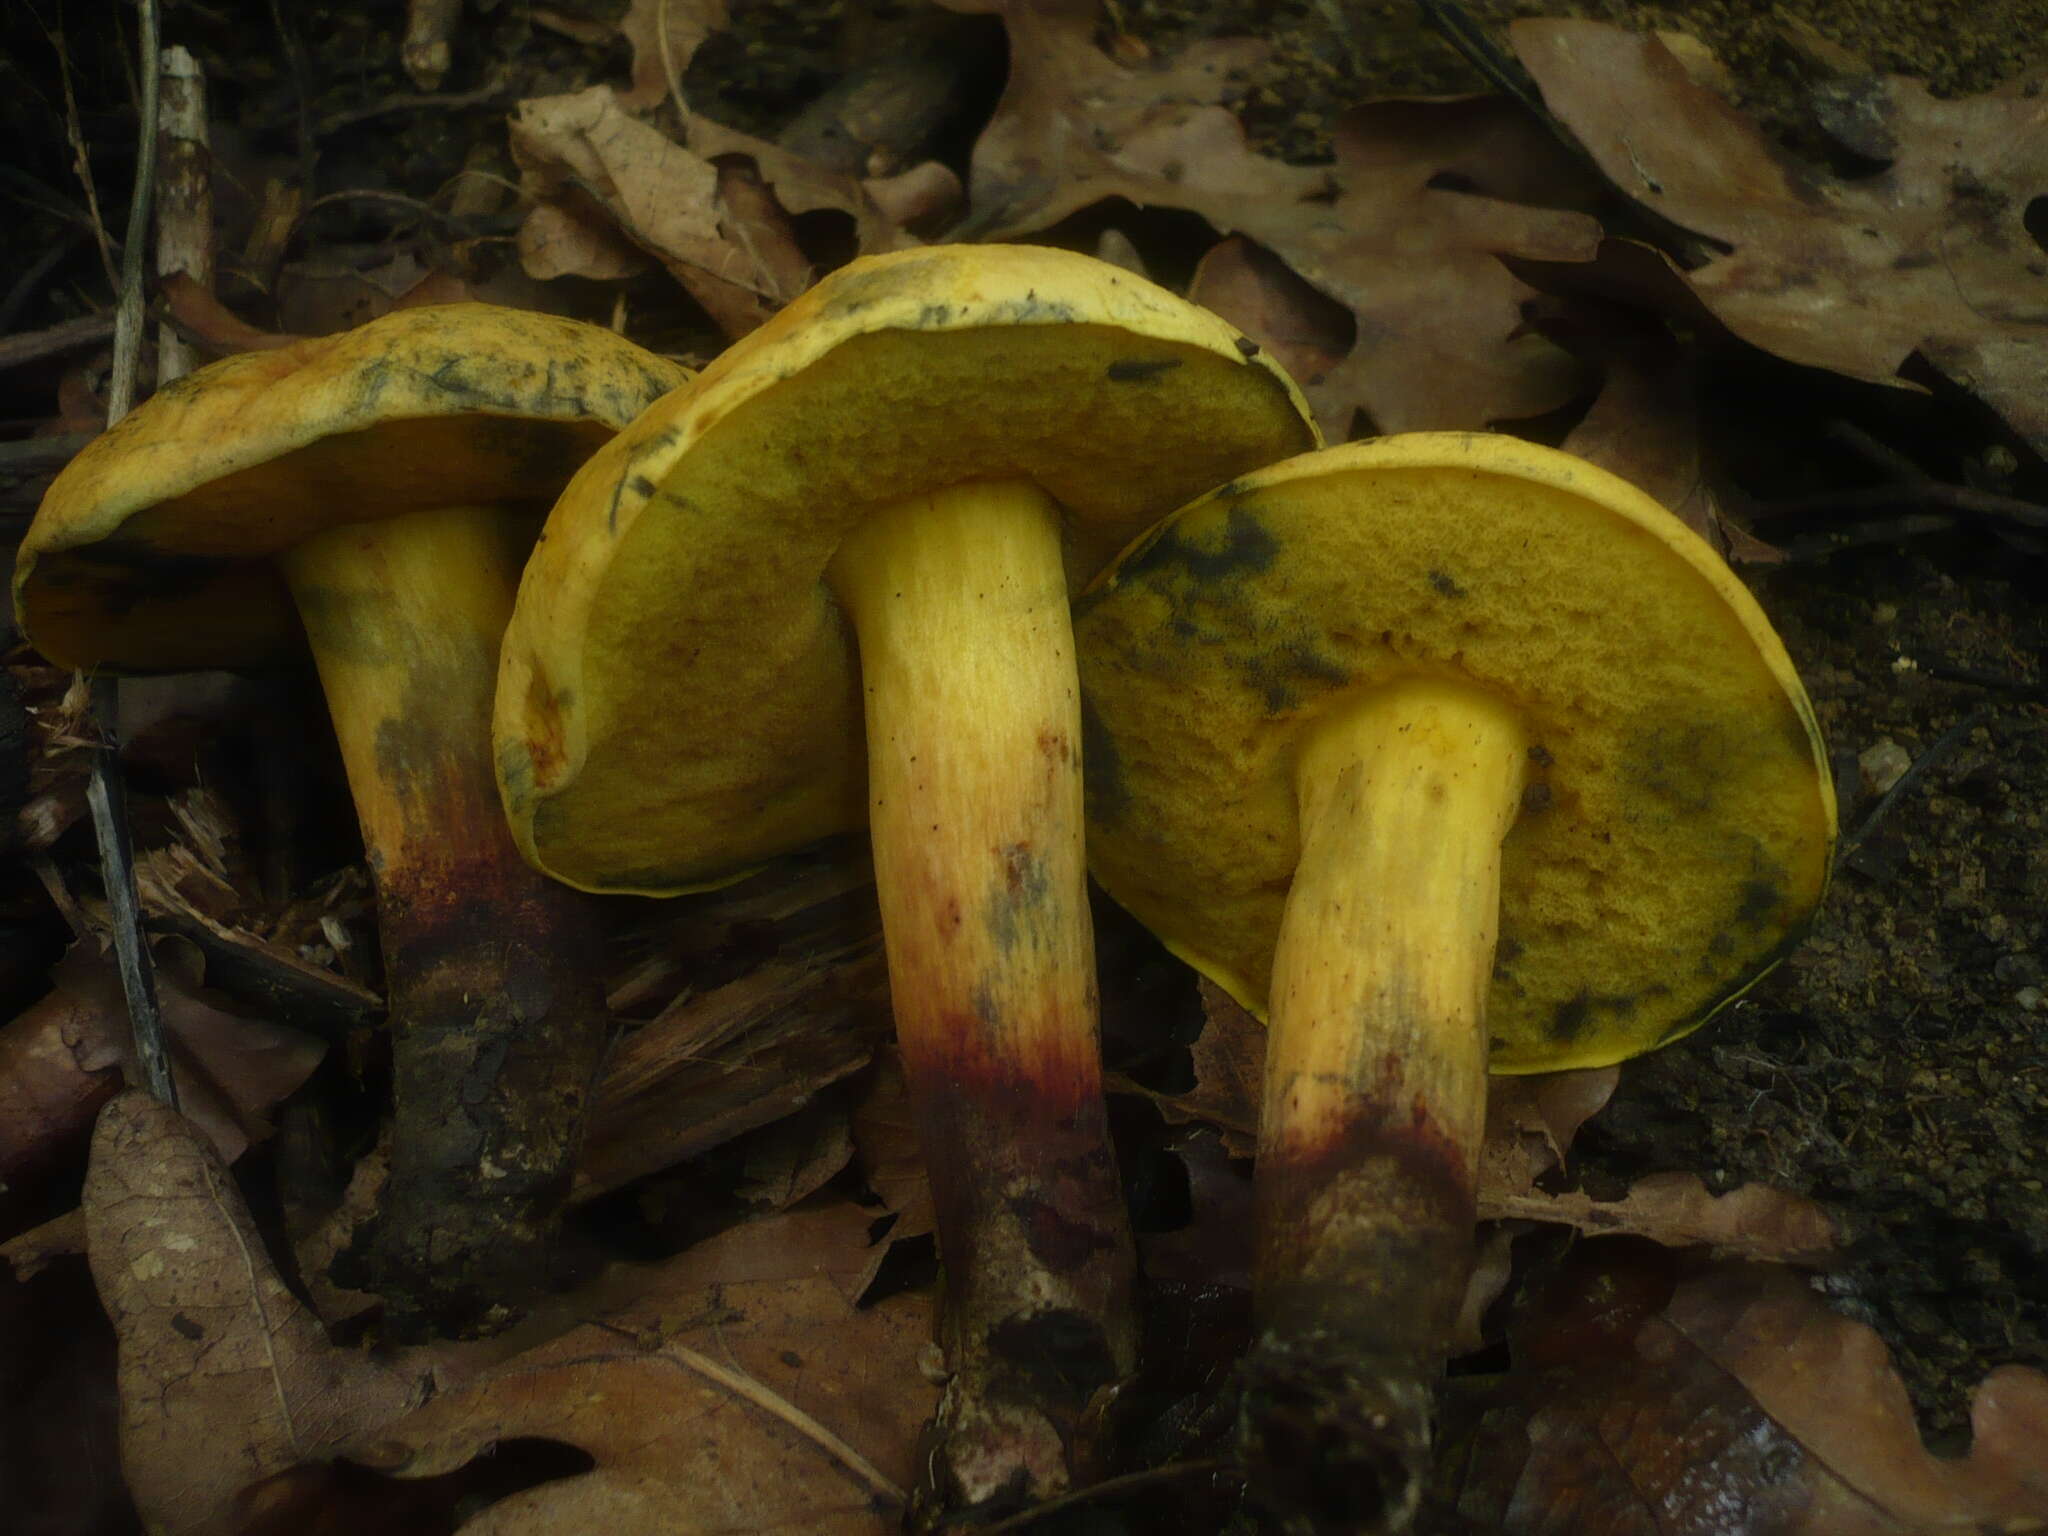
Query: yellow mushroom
pixel 383 486
pixel 1445 750
pixel 827 587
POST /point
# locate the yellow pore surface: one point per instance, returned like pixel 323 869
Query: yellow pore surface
pixel 151 551
pixel 679 696
pixel 1678 824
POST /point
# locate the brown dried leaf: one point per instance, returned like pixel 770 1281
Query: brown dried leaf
pixel 47 1097
pixel 1493 1270
pixel 1074 126
pixel 28 1253
pixel 802 186
pixel 230 1071
pixel 1441 341
pixel 662 195
pixel 1644 423
pixel 1229 1058
pixel 224 1376
pixel 743 1393
pixel 1259 294
pixel 924 196
pixel 1676 1209
pixel 795 1157
pixel 319 297
pixel 1406 231
pixel 1932 255
pixel 1829 1381
pixel 885 1137
pixel 1215 1247
pixel 1745 1408
pixel 1530 1123
pixel 569 238
pixel 715 226
pixel 665 36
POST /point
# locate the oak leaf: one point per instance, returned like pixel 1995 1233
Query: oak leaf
pixel 744 1391
pixel 1931 255
pixel 224 1376
pixel 1739 1405
pixel 1407 230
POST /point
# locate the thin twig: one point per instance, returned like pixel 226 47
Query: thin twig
pixel 1883 530
pixel 74 132
pixel 1957 498
pixel 489 91
pixel 740 1384
pixel 52 341
pixel 461 226
pixel 104 791
pixel 668 66
pixel 1944 744
pixel 1108 1488
pixel 1977 677
pixel 106 795
pixel 34 276
pixel 1469 41
pixel 121 387
pixel 1881 455
pixel 307 142
pixel 38 455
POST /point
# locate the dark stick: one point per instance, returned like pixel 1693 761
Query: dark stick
pixel 1108 1488
pixel 104 791
pixel 108 798
pixel 1944 744
pixel 1957 498
pixel 1882 455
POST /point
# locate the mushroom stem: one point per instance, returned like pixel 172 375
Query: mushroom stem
pixel 959 602
pixel 496 1012
pixel 1375 1093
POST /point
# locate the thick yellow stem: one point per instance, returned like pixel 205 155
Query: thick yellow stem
pixel 1375 1095
pixel 405 616
pixel 495 1006
pixel 960 605
pixel 1386 947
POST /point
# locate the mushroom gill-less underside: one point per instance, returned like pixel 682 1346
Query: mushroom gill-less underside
pixel 1673 838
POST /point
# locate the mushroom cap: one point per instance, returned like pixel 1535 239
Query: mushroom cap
pixel 679 693
pixel 151 549
pixel 1679 825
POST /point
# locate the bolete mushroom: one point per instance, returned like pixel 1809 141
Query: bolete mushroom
pixel 385 483
pixel 1445 749
pixel 869 511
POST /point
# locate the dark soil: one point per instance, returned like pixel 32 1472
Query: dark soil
pixel 1897 1067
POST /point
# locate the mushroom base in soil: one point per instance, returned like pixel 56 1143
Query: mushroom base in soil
pixel 497 1016
pixel 959 603
pixel 1375 1105
pixel 1445 752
